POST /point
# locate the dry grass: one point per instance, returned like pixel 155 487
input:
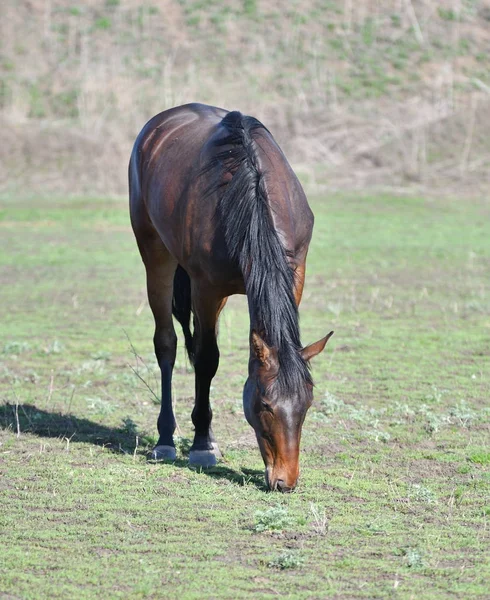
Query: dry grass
pixel 356 92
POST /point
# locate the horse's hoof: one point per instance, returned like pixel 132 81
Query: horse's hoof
pixel 163 453
pixel 204 458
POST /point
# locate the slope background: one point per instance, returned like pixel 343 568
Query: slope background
pixel 359 94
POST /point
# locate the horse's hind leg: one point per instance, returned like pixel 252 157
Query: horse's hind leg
pixel 204 451
pixel 160 270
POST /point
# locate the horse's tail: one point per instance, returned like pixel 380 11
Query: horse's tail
pixel 182 307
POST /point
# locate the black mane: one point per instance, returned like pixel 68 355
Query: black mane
pixel 253 242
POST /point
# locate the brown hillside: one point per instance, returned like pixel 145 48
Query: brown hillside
pixel 358 93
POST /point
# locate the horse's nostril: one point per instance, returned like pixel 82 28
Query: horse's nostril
pixel 282 487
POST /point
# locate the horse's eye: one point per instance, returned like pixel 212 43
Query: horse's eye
pixel 266 406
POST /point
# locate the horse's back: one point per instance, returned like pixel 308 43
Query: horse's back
pixel 170 181
pixel 167 148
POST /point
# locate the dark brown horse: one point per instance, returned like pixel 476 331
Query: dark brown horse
pixel 217 210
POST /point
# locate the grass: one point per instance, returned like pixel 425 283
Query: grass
pixel 393 500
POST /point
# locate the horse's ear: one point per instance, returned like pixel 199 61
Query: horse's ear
pixel 263 352
pixel 313 349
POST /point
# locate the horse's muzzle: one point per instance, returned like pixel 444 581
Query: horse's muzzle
pixel 283 487
pixel 279 485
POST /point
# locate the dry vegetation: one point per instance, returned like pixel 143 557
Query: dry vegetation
pixel 358 92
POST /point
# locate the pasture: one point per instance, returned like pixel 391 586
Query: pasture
pixel 394 494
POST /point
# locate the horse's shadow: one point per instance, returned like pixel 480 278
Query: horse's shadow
pixel 29 419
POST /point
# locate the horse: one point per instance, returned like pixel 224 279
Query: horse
pixel 217 210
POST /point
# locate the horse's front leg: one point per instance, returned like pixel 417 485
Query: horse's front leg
pixel 204 451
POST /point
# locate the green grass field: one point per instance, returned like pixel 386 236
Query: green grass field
pixel 394 495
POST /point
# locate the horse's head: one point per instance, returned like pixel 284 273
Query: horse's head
pixel 276 417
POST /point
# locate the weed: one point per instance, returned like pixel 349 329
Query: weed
pixel 100 355
pixel 130 426
pixel 436 395
pixel 433 421
pixel 275 518
pixel 413 558
pixel 420 493
pixel 183 444
pixel 403 412
pixel 448 14
pixel 97 405
pixel 193 20
pixel 16 347
pixel 102 23
pixel 368 32
pixel 250 7
pixel 56 347
pixel 287 560
pixel 463 414
pixel 481 457
pixel 458 495
pixel 126 379
pixel 320 519
pixel 395 20
pixel 32 376
pixel 37 102
pixel 91 366
pixel 378 436
pixel 65 104
pixel 330 405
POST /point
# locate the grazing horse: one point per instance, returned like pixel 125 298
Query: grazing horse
pixel 217 210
